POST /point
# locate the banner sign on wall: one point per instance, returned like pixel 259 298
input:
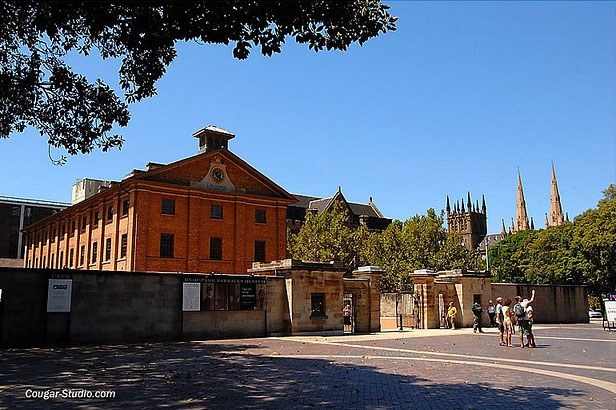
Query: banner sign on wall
pixel 191 297
pixel 59 295
pixel 255 280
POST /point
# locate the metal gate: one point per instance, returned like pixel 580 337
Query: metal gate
pixel 442 311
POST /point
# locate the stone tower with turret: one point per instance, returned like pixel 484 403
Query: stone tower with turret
pixel 470 221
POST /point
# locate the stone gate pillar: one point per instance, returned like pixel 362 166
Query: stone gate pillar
pixel 373 275
pixel 423 281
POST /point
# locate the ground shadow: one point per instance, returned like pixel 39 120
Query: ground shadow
pixel 238 375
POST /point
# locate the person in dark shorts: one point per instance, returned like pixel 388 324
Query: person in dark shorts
pixel 346 313
pixel 525 319
pixel 477 311
pixel 492 313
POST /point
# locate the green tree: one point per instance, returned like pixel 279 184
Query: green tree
pixel 420 242
pixel 328 237
pixel 594 234
pixel 39 89
pixel 510 258
pixel 389 251
pixel 582 252
pixel 424 236
pixel 454 255
pixel 554 258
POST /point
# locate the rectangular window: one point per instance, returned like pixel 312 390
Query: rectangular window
pixel 94 255
pixel 216 249
pixel 63 230
pixel 53 234
pixel 71 257
pixel 52 260
pixel 216 212
pixel 260 216
pixel 125 207
pixel 168 207
pixel 84 222
pixel 259 251
pixel 123 244
pixel 96 218
pixel 44 262
pixel 107 249
pixel 109 213
pixel 317 305
pixel 166 245
pixel 82 255
pixel 61 260
pixel 73 226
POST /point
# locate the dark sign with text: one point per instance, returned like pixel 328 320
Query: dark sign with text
pixel 248 296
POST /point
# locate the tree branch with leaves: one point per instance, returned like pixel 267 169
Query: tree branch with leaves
pixel 39 89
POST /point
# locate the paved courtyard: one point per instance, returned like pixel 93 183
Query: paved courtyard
pixel 574 366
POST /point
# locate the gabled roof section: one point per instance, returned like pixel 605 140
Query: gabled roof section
pixel 327 204
pixel 246 178
pixel 323 204
pixel 303 201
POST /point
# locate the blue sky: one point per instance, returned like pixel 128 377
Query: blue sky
pixel 455 100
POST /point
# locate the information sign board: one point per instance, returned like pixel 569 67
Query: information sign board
pixel 191 297
pixel 59 295
pixel 610 311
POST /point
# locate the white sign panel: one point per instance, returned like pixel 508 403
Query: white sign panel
pixel 191 297
pixel 610 311
pixel 59 295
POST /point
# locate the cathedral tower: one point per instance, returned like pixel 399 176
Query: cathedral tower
pixel 521 217
pixel 469 221
pixel 556 210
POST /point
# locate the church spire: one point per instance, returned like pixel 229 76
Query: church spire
pixel 556 209
pixel 521 215
pixel 448 207
pixel 503 231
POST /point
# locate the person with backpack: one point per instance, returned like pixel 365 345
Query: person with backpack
pixel 524 327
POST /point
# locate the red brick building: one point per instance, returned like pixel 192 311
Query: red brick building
pixel 212 212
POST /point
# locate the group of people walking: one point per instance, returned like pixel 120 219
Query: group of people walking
pixel 505 315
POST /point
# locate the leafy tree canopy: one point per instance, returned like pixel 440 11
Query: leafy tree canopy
pixel 328 237
pixel 38 88
pixel 420 242
pixel 582 252
pixel 594 235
